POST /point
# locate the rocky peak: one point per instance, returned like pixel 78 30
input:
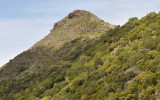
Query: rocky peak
pixel 78 13
pixel 72 26
pixel 81 19
pixel 78 24
pixel 73 17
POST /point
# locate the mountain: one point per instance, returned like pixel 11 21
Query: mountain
pixel 78 24
pixel 84 58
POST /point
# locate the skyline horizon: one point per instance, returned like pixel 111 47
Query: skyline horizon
pixel 24 23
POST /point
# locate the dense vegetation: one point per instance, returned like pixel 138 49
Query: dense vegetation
pixel 122 64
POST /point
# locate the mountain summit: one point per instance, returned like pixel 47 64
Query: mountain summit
pixel 77 23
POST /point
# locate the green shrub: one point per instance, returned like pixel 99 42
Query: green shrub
pixel 152 54
pixel 148 94
pixel 142 81
pixel 131 97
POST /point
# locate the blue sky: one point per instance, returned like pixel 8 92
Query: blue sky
pixel 24 22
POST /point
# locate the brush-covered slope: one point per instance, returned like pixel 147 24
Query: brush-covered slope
pixel 78 23
pixel 123 64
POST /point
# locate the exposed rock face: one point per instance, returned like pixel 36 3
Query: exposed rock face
pixel 77 13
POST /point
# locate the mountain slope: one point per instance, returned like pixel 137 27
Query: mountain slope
pixel 78 23
pixel 123 64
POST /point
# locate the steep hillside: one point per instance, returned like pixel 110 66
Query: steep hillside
pixel 78 24
pixel 122 64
